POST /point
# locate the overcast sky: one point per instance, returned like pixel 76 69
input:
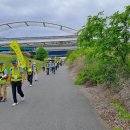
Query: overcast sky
pixel 71 13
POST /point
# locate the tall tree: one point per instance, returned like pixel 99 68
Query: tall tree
pixel 41 53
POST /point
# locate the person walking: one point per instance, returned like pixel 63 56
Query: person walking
pixel 30 72
pixel 16 78
pixel 60 62
pixel 56 65
pixel 52 66
pixel 43 66
pixel 34 71
pixel 3 83
pixel 47 67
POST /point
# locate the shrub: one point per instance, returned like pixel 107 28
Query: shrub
pixel 81 78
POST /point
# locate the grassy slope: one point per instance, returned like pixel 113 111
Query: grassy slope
pixel 8 58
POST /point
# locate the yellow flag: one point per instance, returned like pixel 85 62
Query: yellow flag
pixel 15 46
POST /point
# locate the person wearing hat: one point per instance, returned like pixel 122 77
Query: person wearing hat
pixel 16 78
pixel 30 72
pixel 3 83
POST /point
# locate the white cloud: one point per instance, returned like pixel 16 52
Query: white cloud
pixel 71 13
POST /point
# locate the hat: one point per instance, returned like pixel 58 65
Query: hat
pixel 1 63
pixel 14 61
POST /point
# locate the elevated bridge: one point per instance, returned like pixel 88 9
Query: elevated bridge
pixel 49 41
pixel 53 44
pixel 55 51
pixel 43 24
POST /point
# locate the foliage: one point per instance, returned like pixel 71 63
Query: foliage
pixel 41 53
pixel 81 78
pixel 73 55
pixel 95 70
pixel 105 43
pixel 117 129
pixel 121 111
pixel 123 115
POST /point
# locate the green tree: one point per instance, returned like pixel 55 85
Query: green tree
pixel 41 53
pixel 107 48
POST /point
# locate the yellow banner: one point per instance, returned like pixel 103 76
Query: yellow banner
pixel 15 46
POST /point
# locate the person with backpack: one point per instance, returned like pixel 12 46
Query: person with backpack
pixel 3 83
pixel 30 72
pixel 16 80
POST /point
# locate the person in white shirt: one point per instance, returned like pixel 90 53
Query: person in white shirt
pixel 34 71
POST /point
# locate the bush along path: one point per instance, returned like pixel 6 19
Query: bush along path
pixel 103 44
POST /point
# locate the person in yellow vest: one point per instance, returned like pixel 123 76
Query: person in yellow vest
pixel 16 78
pixel 47 67
pixel 30 72
pixel 3 83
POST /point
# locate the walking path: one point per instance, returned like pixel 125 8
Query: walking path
pixel 52 103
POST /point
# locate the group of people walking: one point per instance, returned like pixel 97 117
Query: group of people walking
pixel 51 66
pixel 16 78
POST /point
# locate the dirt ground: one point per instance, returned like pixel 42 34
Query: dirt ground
pixel 101 100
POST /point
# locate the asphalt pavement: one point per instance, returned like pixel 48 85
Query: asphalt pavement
pixel 52 103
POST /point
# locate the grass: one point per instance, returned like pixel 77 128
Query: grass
pixel 8 58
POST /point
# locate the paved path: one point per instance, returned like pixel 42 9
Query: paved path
pixel 53 103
